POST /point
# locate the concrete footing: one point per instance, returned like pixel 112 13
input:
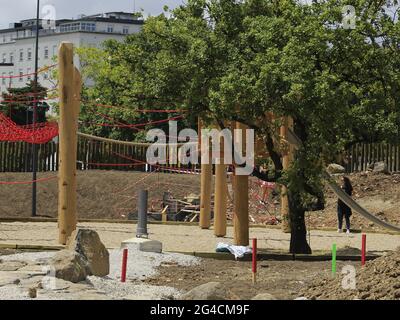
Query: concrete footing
pixel 142 244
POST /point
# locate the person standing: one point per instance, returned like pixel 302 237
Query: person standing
pixel 343 210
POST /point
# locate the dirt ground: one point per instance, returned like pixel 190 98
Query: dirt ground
pixel 283 279
pixel 377 280
pixel 101 194
pixel 112 195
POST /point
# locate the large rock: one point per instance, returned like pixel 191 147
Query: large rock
pixel 87 243
pixel 208 291
pixel 264 296
pixel 380 167
pixel 70 266
pixel 334 168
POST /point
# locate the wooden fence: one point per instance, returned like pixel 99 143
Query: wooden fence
pixel 362 155
pixel 17 157
pixel 106 154
pixel 99 154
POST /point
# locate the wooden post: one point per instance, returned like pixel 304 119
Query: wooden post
pixel 164 217
pixel 287 158
pixel 69 93
pixel 241 201
pixel 206 185
pixel 220 198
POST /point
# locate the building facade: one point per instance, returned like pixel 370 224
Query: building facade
pixel 17 43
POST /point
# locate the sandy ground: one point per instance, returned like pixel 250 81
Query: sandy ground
pixel 183 238
pixel 112 195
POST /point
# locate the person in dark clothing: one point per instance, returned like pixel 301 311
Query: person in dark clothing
pixel 342 209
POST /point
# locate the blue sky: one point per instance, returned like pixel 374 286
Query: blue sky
pixel 13 11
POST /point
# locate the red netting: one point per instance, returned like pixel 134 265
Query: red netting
pixel 38 134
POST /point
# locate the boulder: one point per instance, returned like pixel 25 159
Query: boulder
pixel 207 291
pixel 88 244
pixel 380 167
pixel 335 168
pixel 264 296
pixel 70 266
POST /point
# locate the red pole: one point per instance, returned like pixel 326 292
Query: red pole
pixel 254 267
pixel 124 264
pixel 363 248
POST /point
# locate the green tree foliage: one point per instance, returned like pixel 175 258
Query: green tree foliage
pixel 18 103
pixel 239 60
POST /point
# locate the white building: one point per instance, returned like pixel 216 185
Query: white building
pixel 17 43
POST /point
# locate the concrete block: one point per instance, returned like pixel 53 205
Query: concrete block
pixel 142 244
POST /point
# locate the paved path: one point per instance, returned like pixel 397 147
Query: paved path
pixel 188 238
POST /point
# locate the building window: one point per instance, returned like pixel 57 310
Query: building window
pixel 4 38
pixel 21 78
pixel 75 26
pixel 65 28
pixel 85 26
pixel 3 80
pixel 21 55
pixel 110 29
pixel 29 71
pixel 29 54
pixel 11 74
pixel 4 58
pixel 11 57
pixel 45 76
pixel 46 52
pixel 125 30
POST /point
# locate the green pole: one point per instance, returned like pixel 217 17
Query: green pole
pixel 334 259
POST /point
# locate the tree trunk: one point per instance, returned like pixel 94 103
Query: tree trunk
pixel 298 238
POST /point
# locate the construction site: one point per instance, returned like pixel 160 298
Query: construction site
pixel 228 208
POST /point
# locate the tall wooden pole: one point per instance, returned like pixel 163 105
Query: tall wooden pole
pixel 206 185
pixel 220 195
pixel 69 85
pixel 241 201
pixel 286 160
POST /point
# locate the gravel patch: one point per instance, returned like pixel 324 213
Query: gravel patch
pixel 13 293
pixel 30 257
pixel 117 290
pixel 142 265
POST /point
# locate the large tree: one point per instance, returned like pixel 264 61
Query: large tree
pixel 240 60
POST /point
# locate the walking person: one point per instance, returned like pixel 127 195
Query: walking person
pixel 343 210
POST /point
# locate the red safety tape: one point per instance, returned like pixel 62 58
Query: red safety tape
pixel 27 101
pixel 157 165
pixel 33 94
pixel 28 74
pixel 140 111
pixel 135 125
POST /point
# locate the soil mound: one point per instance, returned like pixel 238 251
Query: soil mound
pixel 377 280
